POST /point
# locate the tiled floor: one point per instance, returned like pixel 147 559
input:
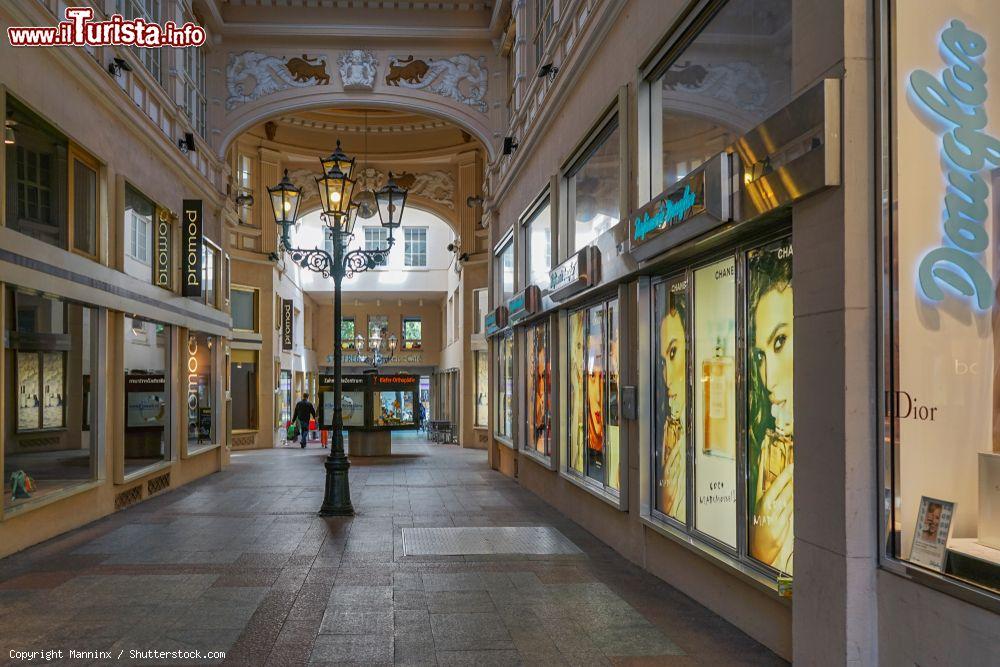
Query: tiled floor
pixel 239 562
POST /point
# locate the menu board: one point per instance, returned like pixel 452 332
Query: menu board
pixel 770 425
pixel 715 400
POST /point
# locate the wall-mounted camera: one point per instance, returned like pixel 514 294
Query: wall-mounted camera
pixel 117 66
pixel 509 145
pixel 186 143
pixel 473 202
pixel 548 70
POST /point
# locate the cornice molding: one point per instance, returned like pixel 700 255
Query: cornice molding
pixel 368 32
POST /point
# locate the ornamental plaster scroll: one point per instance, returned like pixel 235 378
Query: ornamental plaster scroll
pixel 357 69
pixel 741 84
pixel 251 75
pixel 305 180
pixel 461 78
pixel 437 186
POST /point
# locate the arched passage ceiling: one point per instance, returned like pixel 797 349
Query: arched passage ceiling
pixel 423 151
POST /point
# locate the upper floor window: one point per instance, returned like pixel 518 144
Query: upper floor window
pixel 504 271
pixel 244 308
pixel 378 326
pixel 149 11
pixel 412 333
pixel 192 77
pixel 538 244
pixel 593 185
pixel 376 238
pixel 209 262
pixel 415 247
pixel 139 212
pixel 482 303
pixel 544 20
pixel 692 117
pixel 244 183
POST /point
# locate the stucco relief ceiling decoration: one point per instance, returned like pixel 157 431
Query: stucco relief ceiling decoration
pixel 251 75
pixel 357 69
pixel 305 179
pixel 454 5
pixel 438 186
pixel 374 128
pixel 461 78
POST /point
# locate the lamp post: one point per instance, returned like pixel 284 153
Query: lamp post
pixel 336 190
pixel 381 349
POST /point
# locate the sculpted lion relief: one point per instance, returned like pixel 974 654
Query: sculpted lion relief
pixel 251 75
pixel 461 77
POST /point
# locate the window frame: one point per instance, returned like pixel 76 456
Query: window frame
pixel 347 342
pixel 504 359
pixel 122 474
pixel 191 77
pixel 417 342
pixel 151 59
pixel 378 244
pixel 255 425
pixel 408 253
pixel 78 154
pixel 499 296
pixel 256 306
pixel 546 323
pixel 131 239
pixel 531 215
pixel 543 23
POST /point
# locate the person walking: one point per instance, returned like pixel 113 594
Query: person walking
pixel 304 411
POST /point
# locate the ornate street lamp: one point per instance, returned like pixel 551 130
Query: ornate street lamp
pixel 336 189
pixel 391 200
pixel 380 350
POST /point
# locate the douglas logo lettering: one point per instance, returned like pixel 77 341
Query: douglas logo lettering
pixel 956 101
pixel 192 245
pixel 673 209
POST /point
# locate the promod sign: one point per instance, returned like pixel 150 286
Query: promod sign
pixel 287 324
pixel 192 240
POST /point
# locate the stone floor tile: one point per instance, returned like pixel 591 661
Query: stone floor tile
pixel 367 650
pixel 479 658
pixel 470 632
pixel 344 621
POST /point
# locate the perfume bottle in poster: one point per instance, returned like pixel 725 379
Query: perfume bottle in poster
pixel 770 426
pixel 715 400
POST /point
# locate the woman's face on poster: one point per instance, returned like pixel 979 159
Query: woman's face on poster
pixel 673 354
pixel 773 337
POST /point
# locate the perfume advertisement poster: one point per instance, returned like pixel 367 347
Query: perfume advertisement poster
pixel 770 427
pixel 576 365
pixel 28 402
pixel 715 400
pixel 53 390
pixel 613 456
pixel 145 401
pixel 671 339
pixel 595 392
pixel 538 377
pixel 930 539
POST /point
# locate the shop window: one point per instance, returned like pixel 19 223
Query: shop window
pixel 394 408
pixel 538 244
pixel 715 89
pixel 244 387
pixel 503 428
pixel 377 238
pixel 415 247
pixel 199 371
pixel 412 333
pixel 244 308
pixel 285 397
pixel 697 450
pixel 504 271
pixel 51 354
pixel 593 437
pixel 941 456
pixel 37 174
pixel 482 410
pixel 593 185
pixel 149 11
pixel 347 333
pixel 538 385
pixel 378 326
pixel 481 298
pixel 147 394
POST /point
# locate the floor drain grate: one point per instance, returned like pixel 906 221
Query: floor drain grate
pixel 469 541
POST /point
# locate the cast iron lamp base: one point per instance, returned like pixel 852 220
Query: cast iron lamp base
pixel 337 498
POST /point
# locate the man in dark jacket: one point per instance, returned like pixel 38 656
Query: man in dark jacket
pixel 304 411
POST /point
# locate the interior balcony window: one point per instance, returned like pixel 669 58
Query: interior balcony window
pixel 347 333
pixel 139 215
pixel 209 271
pixel 412 333
pixel 245 309
pixel 481 299
pixel 378 325
pixel 52 354
pixel 192 77
pixel 377 238
pixel 244 183
pixel 149 11
pixel 243 378
pixel 147 394
pixel 415 247
pixel 594 188
pixel 544 20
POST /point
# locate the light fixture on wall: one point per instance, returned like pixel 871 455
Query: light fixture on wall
pixel 186 143
pixel 243 200
pixel 117 66
pixel 509 145
pixel 474 201
pixel 548 70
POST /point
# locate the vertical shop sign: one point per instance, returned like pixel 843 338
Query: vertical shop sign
pixel 161 276
pixel 287 324
pixel 193 239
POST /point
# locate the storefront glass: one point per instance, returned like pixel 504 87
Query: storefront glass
pixel 719 87
pixel 394 408
pixel 593 438
pixel 244 308
pixel 670 337
pixel 147 393
pixel 243 385
pixel 285 397
pixel 506 264
pixel 538 239
pixel 505 385
pixel 942 423
pixel 594 188
pixel 538 424
pixel 352 406
pixel 199 358
pixel 51 352
pixel 482 389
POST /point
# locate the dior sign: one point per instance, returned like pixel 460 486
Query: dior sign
pixel 193 240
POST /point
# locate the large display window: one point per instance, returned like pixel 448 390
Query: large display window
pixel 147 394
pixel 505 385
pixel 51 353
pixel 538 243
pixel 941 462
pixel 243 382
pixel 593 443
pixel 538 366
pixel 482 389
pixel 722 404
pixel 199 372
pixel 593 187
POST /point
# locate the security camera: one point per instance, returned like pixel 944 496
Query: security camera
pixel 547 70
pixel 464 257
pixel 451 247
pixel 117 66
pixel 473 202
